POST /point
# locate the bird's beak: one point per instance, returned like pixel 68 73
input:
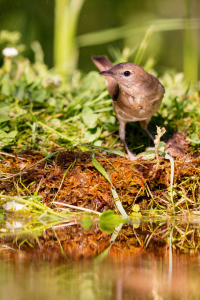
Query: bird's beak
pixel 106 73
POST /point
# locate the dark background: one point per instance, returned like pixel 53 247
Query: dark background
pixel 34 19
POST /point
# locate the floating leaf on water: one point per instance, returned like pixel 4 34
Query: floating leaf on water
pixel 108 221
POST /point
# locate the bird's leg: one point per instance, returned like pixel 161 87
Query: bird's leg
pixel 143 125
pixel 122 135
pixel 149 134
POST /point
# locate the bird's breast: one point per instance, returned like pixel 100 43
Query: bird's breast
pixel 135 108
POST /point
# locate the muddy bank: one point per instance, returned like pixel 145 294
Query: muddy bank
pixel 70 177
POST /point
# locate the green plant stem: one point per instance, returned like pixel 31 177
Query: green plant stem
pixel 54 131
pixel 66 20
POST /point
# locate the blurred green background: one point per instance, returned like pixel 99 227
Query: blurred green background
pixel 64 29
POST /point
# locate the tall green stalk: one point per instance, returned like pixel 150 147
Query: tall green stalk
pixel 190 53
pixel 66 20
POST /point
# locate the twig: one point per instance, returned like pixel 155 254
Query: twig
pixel 78 208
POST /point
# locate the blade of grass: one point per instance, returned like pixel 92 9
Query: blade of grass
pixel 61 247
pixel 97 165
pixel 112 34
pixel 113 151
pixel 104 254
pixel 41 207
pixel 63 178
pixel 143 45
pixel 167 156
pixel 56 132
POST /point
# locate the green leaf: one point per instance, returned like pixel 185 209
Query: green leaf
pixel 86 222
pixel 108 150
pixel 51 101
pixel 186 92
pixel 19 93
pixel 28 78
pixel 39 96
pixel 92 134
pixel 101 170
pixel 194 139
pixel 44 151
pixel 6 138
pixel 162 146
pixel 6 88
pixel 108 221
pixel 118 203
pixel 4 118
pixel 148 154
pixel 108 119
pixel 89 117
pixel 11 135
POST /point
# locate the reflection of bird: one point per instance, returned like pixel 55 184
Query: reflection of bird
pixel 136 94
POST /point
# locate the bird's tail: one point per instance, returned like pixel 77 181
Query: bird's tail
pixel 103 64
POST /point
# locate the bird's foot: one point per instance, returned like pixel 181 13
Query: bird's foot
pixel 135 158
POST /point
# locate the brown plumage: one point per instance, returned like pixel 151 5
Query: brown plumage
pixel 136 94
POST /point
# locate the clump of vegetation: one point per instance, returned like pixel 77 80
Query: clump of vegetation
pixel 47 124
pixel 39 110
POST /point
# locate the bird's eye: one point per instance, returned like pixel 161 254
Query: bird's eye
pixel 127 73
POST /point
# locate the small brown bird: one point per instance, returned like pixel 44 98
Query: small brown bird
pixel 136 94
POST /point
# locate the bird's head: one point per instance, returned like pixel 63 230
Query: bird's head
pixel 125 74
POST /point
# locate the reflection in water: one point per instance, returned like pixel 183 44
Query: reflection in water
pixel 143 276
pixel 151 260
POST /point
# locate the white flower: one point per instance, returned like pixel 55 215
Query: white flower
pixel 10 52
